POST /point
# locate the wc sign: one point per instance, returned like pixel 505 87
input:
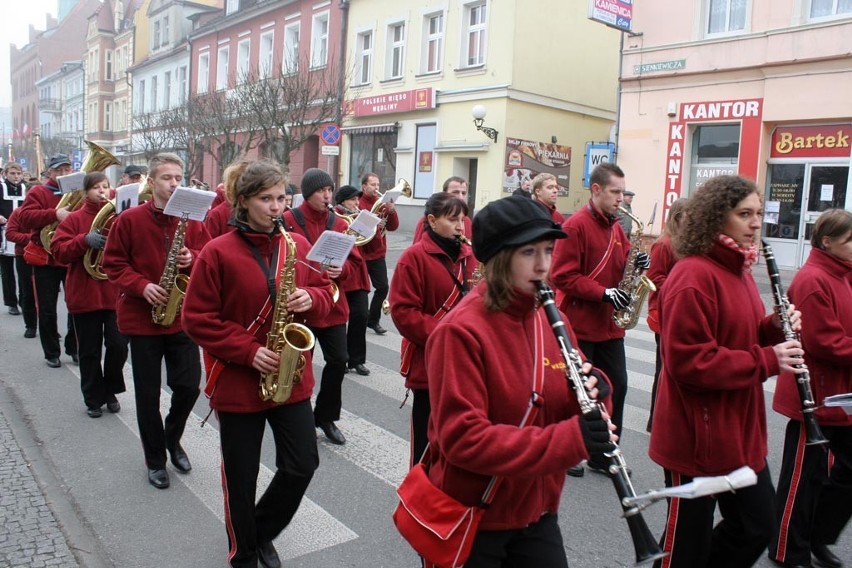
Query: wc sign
pixel 596 153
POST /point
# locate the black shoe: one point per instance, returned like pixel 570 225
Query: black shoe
pixel 377 327
pixel 331 432
pixel 14 311
pixel 54 362
pixel 30 332
pixel 113 406
pixel 577 471
pixel 94 412
pixel 75 359
pixel 159 478
pixel 267 555
pixel 601 468
pixel 180 460
pixel 361 369
pixel 824 556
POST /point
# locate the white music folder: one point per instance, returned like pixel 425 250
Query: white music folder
pixel 194 203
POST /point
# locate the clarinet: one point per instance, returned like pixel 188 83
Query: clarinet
pixel 813 433
pixel 646 546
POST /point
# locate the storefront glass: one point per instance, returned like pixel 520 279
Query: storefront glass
pixel 784 201
pixel 373 153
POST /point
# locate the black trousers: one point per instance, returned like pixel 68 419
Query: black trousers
pixel 356 331
pixel 296 459
pixel 183 375
pixel 332 340
pixel 814 498
pixel 47 282
pixel 539 545
pixel 658 366
pixel 421 408
pixel 95 330
pixel 378 270
pixel 608 356
pixel 7 276
pixel 748 521
pixel 26 292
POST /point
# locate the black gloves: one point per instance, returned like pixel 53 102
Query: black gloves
pixel 618 298
pixel 602 386
pixel 643 261
pixel 595 431
pixel 95 240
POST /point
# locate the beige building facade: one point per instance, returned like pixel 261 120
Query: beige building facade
pixel 547 84
pixel 754 87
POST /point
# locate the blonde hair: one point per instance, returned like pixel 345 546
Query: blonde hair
pixel 163 158
pixel 247 178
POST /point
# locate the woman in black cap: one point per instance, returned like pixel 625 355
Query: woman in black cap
pixel 479 396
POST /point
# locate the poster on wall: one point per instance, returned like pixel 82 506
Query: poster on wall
pixel 526 159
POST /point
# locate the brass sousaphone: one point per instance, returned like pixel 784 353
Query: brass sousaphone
pixel 97 160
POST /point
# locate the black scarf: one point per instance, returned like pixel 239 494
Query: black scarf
pixel 450 246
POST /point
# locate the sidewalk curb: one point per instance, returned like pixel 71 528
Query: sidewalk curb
pixel 78 534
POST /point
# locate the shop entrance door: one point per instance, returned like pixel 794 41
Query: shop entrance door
pixel 826 190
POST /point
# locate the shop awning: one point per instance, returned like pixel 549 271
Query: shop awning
pixel 386 128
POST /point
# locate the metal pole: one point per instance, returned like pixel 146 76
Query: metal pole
pixel 341 76
pixel 618 99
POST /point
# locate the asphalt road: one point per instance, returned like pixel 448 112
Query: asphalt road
pixel 94 479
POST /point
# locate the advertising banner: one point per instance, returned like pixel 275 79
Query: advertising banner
pixel 526 159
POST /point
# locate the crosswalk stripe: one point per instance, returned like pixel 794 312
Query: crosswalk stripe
pixel 312 529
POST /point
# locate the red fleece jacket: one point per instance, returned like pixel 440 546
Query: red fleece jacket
pixel 226 293
pixel 39 210
pixel 710 416
pixel 421 284
pixel 135 256
pixel 663 259
pixel 378 247
pixel 15 234
pixel 480 368
pixel 575 258
pixel 82 292
pixel 217 220
pixel 822 291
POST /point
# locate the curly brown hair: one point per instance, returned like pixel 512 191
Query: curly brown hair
pixel 707 210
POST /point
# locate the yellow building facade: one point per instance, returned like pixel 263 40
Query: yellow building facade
pixel 545 75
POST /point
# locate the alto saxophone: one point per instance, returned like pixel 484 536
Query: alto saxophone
pixel 633 282
pixel 286 338
pixel 173 282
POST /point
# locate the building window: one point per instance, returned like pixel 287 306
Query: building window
pixel 165 38
pixel 142 96
pixel 154 106
pixel 108 116
pixel 396 50
pixel 156 41
pixel 290 63
pixel 222 68
pixel 373 153
pixel 715 151
pixel 231 6
pixel 182 84
pixel 364 57
pixel 725 16
pixel 243 53
pixel 265 61
pixel 203 72
pixel 828 8
pixel 433 43
pixel 108 64
pixel 319 40
pixel 473 40
pixel 167 89
pixel 785 184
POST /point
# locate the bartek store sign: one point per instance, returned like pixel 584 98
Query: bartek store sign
pixel 825 141
pixel 402 101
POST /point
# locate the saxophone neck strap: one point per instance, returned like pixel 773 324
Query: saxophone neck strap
pixel 607 255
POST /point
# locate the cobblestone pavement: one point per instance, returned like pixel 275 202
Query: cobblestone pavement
pixel 29 533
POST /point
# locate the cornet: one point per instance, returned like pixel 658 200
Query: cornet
pixel 381 210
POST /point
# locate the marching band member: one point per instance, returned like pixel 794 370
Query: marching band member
pixel 136 256
pixel 218 219
pixel 376 250
pixel 814 498
pixel 310 219
pixel 456 186
pixel 546 191
pixel 588 267
pixel 26 289
pixel 663 258
pixel 356 287
pixel 230 287
pixel 91 303
pixel 478 399
pixel 718 348
pixel 13 191
pixel 429 280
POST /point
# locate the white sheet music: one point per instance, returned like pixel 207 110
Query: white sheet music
pixel 843 401
pixel 298 199
pixel 365 223
pixel 332 248
pixel 126 196
pixel 391 196
pixel 702 486
pixel 71 182
pixel 191 202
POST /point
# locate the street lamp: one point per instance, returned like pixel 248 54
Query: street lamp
pixel 478 113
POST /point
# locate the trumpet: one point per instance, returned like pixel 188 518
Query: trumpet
pixel 381 209
pixel 349 216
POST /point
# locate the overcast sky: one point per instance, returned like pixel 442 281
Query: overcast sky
pixel 17 17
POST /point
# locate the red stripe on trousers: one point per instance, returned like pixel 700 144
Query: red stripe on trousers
pixel 671 524
pixel 784 528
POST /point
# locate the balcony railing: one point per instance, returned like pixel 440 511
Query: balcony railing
pixel 50 105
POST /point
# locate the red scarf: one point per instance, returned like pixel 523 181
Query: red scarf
pixel 750 253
